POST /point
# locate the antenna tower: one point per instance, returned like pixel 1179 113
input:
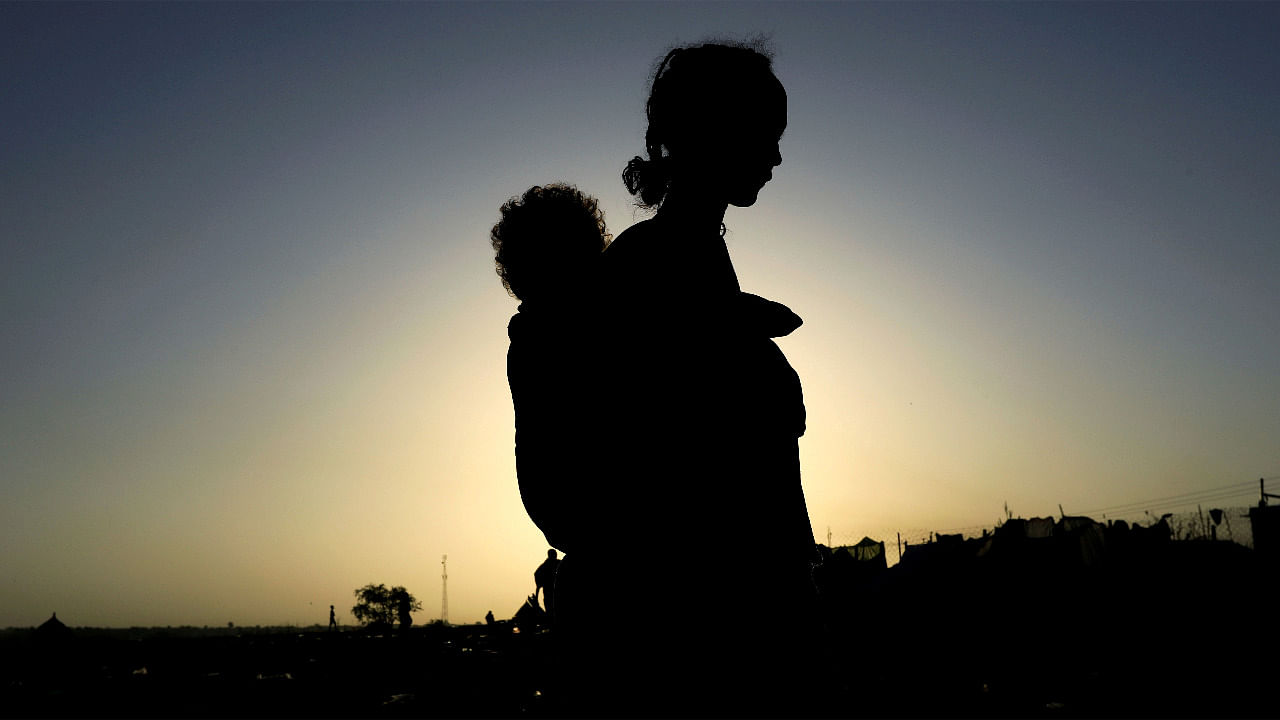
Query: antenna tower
pixel 444 581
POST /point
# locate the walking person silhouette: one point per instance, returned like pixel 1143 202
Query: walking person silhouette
pixel 544 579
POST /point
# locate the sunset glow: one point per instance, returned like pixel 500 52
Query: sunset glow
pixel 253 349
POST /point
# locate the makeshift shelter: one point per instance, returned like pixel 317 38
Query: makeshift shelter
pixel 867 551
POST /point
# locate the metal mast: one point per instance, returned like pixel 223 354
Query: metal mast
pixel 444 581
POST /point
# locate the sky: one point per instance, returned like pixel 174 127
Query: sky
pixel 252 346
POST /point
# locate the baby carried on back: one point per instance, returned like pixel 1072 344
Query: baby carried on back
pixel 548 244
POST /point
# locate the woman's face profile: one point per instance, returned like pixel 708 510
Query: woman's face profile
pixel 741 156
pixel 756 154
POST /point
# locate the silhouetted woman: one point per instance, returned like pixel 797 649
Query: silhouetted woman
pixel 705 573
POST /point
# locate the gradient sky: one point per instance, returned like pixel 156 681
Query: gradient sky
pixel 252 348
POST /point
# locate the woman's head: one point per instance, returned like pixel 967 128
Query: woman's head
pixel 716 113
pixel 546 241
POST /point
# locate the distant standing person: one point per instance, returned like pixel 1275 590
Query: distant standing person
pixel 333 620
pixel 406 619
pixel 544 579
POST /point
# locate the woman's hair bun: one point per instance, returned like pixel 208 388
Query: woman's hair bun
pixel 647 179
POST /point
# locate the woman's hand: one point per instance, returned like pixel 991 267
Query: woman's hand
pixel 772 319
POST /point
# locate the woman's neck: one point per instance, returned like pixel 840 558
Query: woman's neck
pixel 703 220
pixel 693 209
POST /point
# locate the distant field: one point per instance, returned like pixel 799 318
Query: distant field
pixel 199 672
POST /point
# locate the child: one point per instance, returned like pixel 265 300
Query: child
pixel 547 242
pixel 546 247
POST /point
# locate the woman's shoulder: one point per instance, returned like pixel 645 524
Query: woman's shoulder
pixel 633 256
pixel 636 241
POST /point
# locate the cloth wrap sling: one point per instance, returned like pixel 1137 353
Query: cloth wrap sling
pixel 656 445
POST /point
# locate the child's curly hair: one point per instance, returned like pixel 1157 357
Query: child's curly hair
pixel 546 236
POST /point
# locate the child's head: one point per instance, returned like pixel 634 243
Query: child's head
pixel 547 241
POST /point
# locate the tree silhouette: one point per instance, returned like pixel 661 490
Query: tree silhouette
pixel 378 606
